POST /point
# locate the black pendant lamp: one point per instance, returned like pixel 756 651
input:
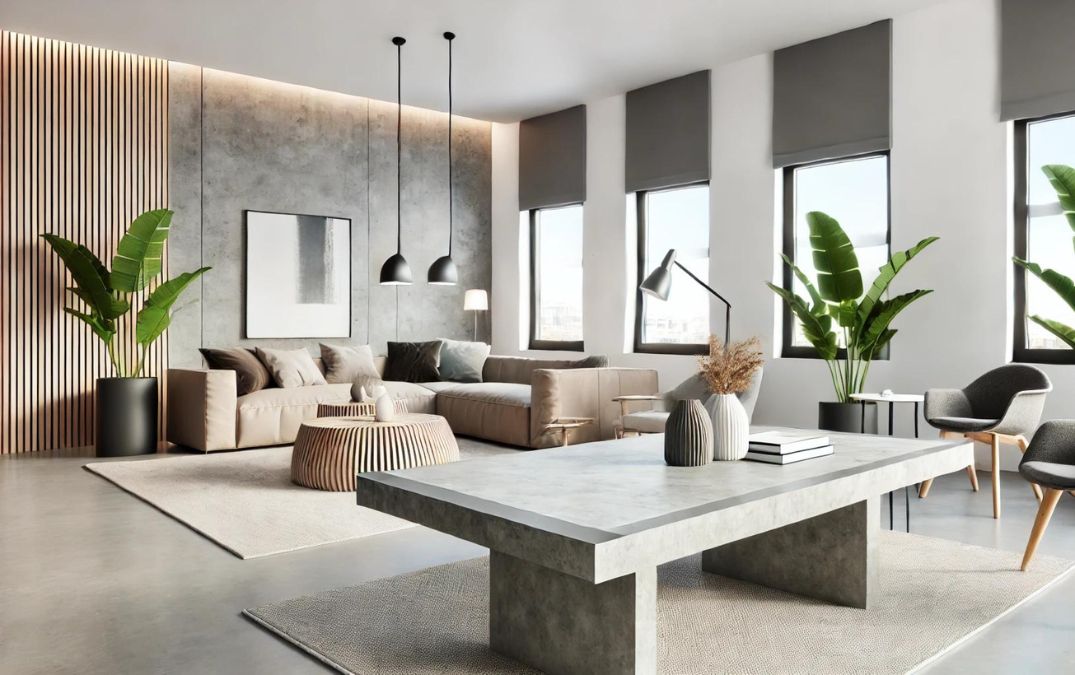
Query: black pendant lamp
pixel 395 271
pixel 443 271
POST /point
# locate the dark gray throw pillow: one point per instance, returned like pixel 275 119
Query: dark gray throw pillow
pixel 413 361
pixel 250 374
pixel 462 361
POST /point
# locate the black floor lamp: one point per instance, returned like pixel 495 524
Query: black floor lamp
pixel 659 283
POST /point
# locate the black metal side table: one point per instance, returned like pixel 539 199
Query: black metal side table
pixel 892 399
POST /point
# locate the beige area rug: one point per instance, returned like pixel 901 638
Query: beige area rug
pixel 933 594
pixel 245 500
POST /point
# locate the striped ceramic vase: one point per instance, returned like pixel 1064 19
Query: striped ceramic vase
pixel 688 435
pixel 731 426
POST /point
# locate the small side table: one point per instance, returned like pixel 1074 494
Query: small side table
pixel 355 408
pixel 892 400
pixel 566 424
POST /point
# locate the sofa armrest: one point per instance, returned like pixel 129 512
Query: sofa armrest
pixel 583 392
pixel 202 408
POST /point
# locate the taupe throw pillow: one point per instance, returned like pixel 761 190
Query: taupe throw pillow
pixel 291 367
pixel 250 374
pixel 413 361
pixel 462 361
pixel 348 363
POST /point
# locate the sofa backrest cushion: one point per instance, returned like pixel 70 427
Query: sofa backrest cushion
pixel 519 369
pixel 346 363
pixel 462 361
pixel 250 373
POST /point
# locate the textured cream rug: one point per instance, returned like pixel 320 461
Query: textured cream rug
pixel 933 594
pixel 245 500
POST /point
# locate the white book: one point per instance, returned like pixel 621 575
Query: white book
pixel 789 458
pixel 783 442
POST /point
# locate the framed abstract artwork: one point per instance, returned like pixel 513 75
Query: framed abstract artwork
pixel 298 276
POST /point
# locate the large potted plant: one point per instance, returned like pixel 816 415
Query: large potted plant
pixel 127 403
pixel 846 326
pixel 1062 178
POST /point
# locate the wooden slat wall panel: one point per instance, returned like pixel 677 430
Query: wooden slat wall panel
pixel 83 150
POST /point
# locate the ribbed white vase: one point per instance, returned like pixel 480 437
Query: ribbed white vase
pixel 731 426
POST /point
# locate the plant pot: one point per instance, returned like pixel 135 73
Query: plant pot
pixel 731 427
pixel 688 435
pixel 849 417
pixel 126 416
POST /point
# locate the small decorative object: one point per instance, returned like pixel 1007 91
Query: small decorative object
pixel 729 370
pixel 688 435
pixel 385 410
pixel 847 324
pixel 126 404
pixel 361 396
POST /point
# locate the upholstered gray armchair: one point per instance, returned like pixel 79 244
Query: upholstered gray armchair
pixel 1001 407
pixel 1050 463
pixel 655 409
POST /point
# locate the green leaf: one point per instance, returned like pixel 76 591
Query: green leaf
pixel 90 275
pixel 880 343
pixel 844 313
pixel 1062 179
pixel 140 252
pixel 817 327
pixel 838 276
pixel 885 276
pixel 103 328
pixel 1061 284
pixel 156 313
pixel 819 304
pixel 886 311
pixel 1060 330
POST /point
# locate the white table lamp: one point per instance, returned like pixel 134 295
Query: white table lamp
pixel 476 300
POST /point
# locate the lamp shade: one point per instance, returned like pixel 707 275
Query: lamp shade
pixel 396 272
pixel 659 282
pixel 476 299
pixel 443 272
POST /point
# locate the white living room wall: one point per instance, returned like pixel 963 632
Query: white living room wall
pixel 950 174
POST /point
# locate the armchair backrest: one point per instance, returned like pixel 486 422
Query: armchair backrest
pixel 695 387
pixel 992 393
pixel 1054 442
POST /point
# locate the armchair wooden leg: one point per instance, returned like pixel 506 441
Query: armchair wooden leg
pixel 1023 444
pixel 923 490
pixel 973 475
pixel 994 446
pixel 1045 512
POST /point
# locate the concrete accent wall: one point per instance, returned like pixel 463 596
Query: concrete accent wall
pixel 945 340
pixel 246 143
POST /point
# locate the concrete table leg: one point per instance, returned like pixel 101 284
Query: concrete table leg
pixel 831 557
pixel 562 624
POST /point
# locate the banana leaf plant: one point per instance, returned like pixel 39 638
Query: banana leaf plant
pixel 99 298
pixel 838 313
pixel 1062 178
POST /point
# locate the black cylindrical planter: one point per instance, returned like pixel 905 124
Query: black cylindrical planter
pixel 126 416
pixel 849 417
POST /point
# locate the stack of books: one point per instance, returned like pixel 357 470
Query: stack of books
pixel 787 447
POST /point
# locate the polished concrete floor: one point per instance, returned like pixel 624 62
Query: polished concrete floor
pixel 92 580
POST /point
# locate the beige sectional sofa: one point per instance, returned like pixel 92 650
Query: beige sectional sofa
pixel 518 398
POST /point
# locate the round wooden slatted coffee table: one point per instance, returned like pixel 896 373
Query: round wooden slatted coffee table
pixel 329 451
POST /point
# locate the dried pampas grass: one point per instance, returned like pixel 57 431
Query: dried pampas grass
pixel 730 369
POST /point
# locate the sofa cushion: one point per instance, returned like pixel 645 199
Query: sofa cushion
pixel 273 416
pixel 250 373
pixel 413 361
pixel 462 361
pixel 646 421
pixel 291 367
pixel 496 411
pixel 419 399
pixel 346 363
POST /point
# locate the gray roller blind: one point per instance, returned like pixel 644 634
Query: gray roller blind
pixel 668 133
pixel 1036 74
pixel 552 159
pixel 832 96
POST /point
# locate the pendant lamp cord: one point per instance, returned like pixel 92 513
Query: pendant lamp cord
pixel 399 145
pixel 451 202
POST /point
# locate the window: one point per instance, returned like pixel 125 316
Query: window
pixel 556 278
pixel 854 191
pixel 1042 235
pixel 676 218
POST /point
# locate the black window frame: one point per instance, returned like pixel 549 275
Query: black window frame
pixel 788 349
pixel 534 343
pixel 641 347
pixel 1021 210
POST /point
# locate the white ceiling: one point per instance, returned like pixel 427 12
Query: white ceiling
pixel 513 58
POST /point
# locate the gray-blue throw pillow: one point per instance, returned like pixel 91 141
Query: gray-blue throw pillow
pixel 462 361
